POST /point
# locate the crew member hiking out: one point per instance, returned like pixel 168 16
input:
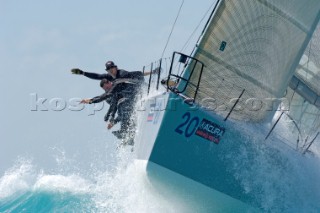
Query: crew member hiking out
pixel 121 95
pixel 114 73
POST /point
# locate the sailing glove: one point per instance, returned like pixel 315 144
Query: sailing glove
pixel 77 71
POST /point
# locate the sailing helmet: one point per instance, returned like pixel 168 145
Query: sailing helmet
pixel 110 65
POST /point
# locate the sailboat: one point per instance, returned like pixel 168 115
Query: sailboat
pixel 229 95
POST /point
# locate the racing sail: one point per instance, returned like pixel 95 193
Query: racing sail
pixel 303 95
pixel 306 79
pixel 251 47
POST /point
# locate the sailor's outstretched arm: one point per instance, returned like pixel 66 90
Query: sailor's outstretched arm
pixel 96 99
pixel 94 76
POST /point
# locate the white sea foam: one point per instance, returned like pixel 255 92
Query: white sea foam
pixel 16 179
pixel 60 183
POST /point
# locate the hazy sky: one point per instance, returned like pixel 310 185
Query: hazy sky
pixel 40 41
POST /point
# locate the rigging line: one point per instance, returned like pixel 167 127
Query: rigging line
pixel 294 92
pixel 315 125
pixel 172 29
pixel 187 42
pixel 206 25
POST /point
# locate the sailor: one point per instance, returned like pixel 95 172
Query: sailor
pixel 120 94
pixel 114 73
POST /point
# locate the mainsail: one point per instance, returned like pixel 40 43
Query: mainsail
pixel 253 46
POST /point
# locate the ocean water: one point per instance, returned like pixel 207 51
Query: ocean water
pixel 122 188
pixel 26 188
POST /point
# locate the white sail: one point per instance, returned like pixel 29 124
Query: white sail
pixel 308 71
pixel 255 46
pixel 304 96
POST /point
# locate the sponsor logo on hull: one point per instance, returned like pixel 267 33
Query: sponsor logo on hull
pixel 210 131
